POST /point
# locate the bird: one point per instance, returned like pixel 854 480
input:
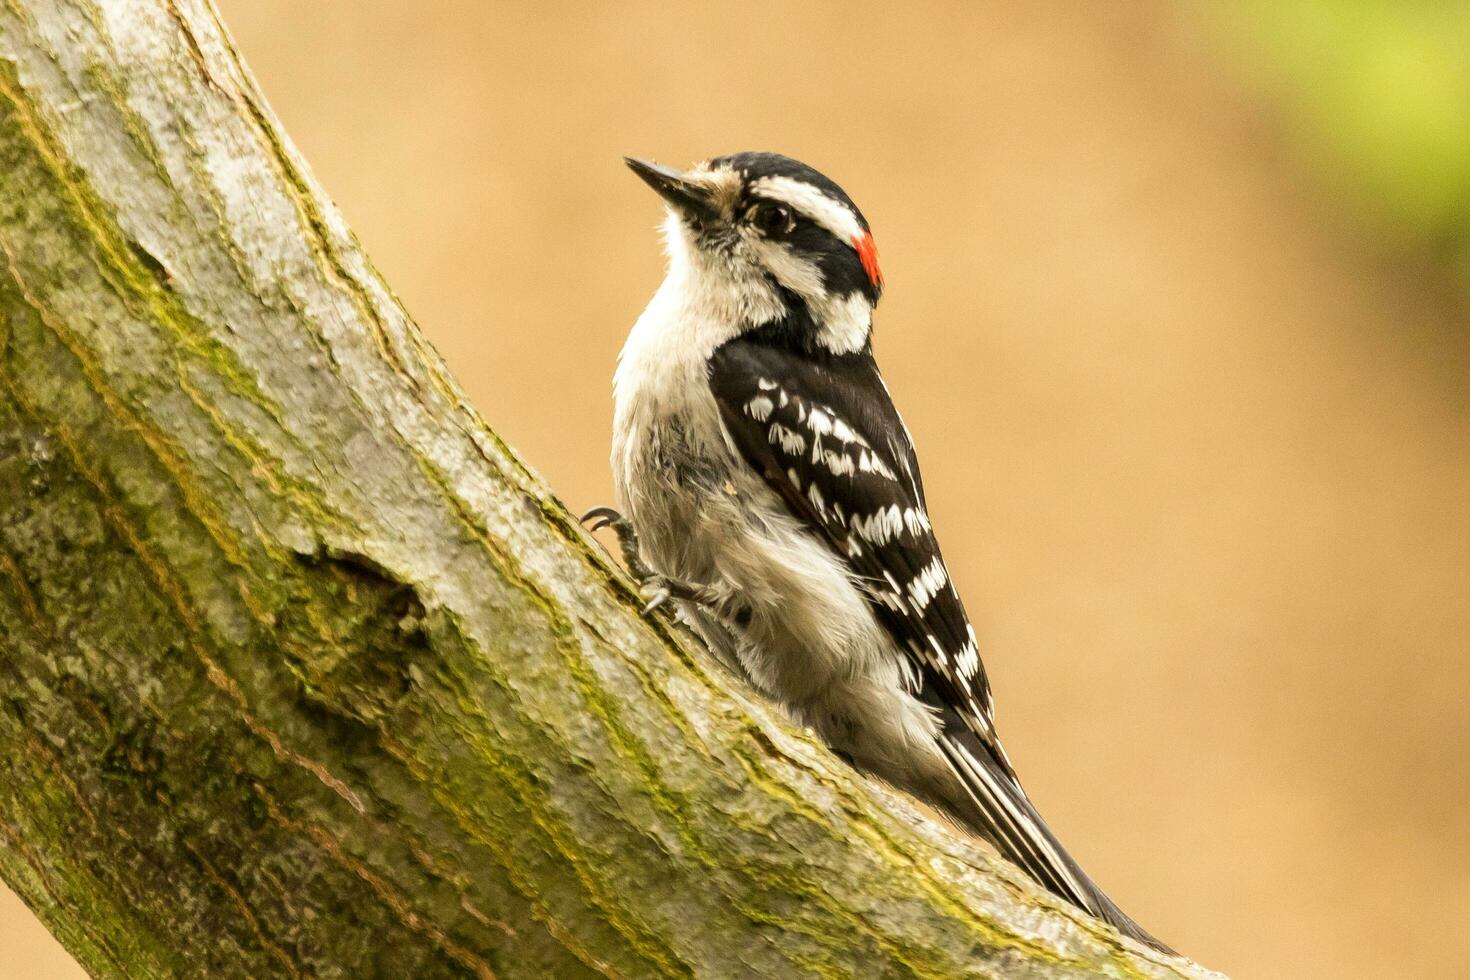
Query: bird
pixel 769 491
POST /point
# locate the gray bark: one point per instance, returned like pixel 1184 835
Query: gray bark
pixel 304 673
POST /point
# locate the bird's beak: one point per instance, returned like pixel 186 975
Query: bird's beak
pixel 683 195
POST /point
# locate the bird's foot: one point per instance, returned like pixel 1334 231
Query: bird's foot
pixel 602 517
pixel 659 589
pixel 655 588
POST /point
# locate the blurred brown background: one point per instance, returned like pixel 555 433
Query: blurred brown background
pixel 1194 413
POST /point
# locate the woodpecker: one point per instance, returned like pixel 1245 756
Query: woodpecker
pixel 768 487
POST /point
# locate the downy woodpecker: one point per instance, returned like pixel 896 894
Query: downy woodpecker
pixel 768 485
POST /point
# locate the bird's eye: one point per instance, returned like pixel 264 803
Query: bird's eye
pixel 771 219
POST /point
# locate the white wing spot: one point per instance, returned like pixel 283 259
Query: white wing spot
pixel 791 443
pixel 841 464
pixel 819 422
pixel 968 662
pixel 940 657
pixel 927 583
pixel 880 526
pixel 915 520
pixel 845 432
pixel 759 408
pixel 873 463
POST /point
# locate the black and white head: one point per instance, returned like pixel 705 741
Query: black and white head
pixel 759 240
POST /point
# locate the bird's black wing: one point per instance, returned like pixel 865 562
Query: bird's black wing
pixel 824 433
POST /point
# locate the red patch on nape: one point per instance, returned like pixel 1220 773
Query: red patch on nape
pixel 867 251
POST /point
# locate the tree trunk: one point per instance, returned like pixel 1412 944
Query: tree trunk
pixel 304 673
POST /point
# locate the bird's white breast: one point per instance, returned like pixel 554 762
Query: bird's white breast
pixel 805 632
pixel 667 430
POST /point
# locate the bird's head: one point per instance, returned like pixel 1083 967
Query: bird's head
pixel 765 240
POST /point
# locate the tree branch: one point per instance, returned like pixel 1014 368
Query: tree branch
pixel 304 673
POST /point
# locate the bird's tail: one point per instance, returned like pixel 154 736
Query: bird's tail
pixel 1000 812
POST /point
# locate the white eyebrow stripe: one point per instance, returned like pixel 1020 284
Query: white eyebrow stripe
pixel 826 211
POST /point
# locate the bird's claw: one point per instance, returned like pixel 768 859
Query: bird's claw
pixel 656 588
pixel 603 517
pixel 660 596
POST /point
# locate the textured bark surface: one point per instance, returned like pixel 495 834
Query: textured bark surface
pixel 303 673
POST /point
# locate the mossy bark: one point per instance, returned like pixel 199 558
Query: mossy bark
pixel 303 673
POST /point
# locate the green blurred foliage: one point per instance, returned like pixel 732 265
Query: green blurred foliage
pixel 1377 95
